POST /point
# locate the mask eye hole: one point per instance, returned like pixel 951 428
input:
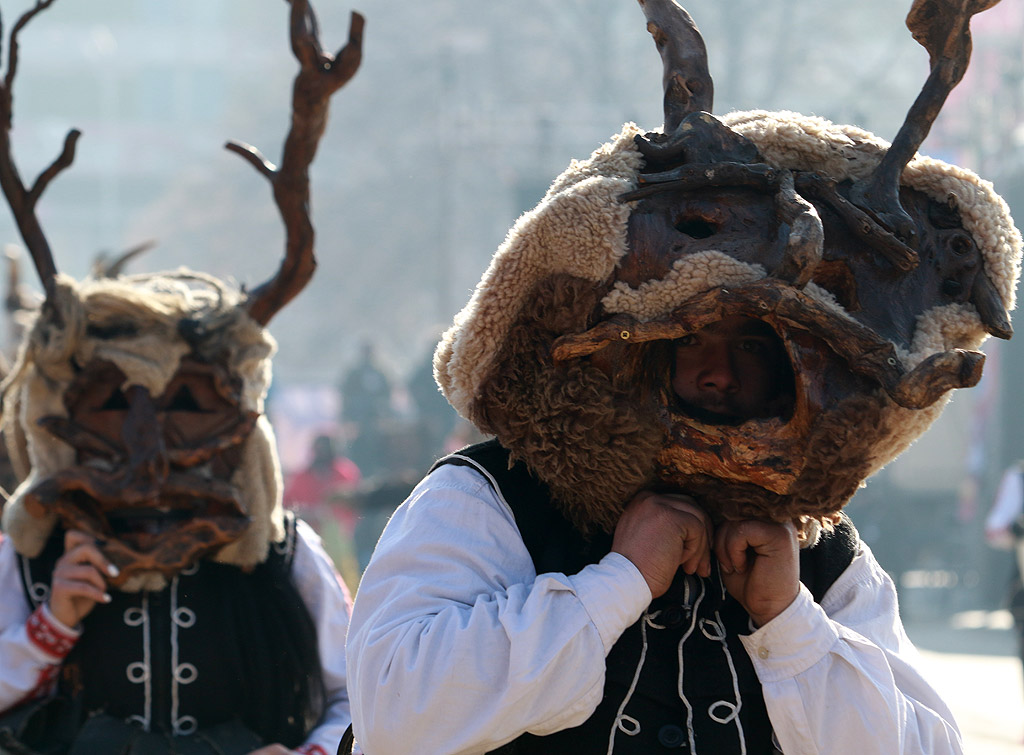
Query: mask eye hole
pixel 184 401
pixel 696 227
pixel 116 402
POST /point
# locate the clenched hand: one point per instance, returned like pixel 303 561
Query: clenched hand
pixel 661 534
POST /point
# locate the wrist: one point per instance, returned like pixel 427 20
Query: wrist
pixel 49 634
pixel 61 615
pixel 773 611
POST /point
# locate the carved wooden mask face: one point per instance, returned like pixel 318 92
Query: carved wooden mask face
pixel 144 428
pixel 852 307
pixel 153 474
pixel 835 353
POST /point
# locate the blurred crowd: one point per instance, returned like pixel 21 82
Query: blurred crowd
pixel 362 463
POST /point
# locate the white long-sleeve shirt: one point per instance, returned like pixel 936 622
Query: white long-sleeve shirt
pixel 458 646
pixel 26 663
pixel 1009 503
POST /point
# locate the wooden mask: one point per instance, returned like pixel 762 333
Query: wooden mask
pixel 880 272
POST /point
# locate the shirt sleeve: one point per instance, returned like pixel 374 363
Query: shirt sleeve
pixel 840 677
pixel 33 644
pixel 458 645
pixel 329 604
pixel 1008 503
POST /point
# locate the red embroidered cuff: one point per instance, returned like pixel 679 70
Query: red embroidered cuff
pixel 47 636
pixel 311 750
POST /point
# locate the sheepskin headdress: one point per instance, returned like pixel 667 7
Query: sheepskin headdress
pixel 77 364
pixel 561 351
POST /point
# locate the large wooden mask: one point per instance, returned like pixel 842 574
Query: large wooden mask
pixel 880 271
pixel 135 408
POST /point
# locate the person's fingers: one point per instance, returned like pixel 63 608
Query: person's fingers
pixel 737 541
pixel 73 538
pixel 80 588
pixel 697 549
pixel 661 534
pixel 74 574
pixel 80 548
pixel 732 539
pixel 685 503
pixel 697 532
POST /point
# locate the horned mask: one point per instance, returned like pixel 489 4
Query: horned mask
pixel 881 272
pixel 134 411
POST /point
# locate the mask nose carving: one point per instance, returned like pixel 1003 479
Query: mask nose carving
pixel 148 464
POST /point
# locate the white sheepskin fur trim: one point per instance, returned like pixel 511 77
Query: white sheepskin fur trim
pixel 954 326
pixel 258 479
pixel 579 229
pixel 689 276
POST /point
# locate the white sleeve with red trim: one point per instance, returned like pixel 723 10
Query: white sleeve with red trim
pixel 32 643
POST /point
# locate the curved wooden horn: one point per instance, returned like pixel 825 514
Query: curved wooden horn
pixel 21 200
pixel 990 307
pixel 687 81
pixel 943 28
pixel 321 75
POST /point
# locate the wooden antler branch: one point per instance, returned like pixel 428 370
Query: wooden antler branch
pixel 943 28
pixel 759 177
pixel 320 75
pixel 858 222
pixel 21 200
pixel 803 250
pixel 687 81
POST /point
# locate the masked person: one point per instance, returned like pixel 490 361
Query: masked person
pixel 155 597
pixel 154 588
pixel 690 353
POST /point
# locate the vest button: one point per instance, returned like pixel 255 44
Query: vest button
pixel 671 735
pixel 672 616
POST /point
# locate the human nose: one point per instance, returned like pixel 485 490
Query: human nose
pixel 718 374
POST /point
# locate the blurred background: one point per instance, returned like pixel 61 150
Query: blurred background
pixel 462 113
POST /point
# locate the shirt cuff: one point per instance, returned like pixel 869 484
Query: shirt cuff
pixel 614 594
pixel 49 635
pixel 792 642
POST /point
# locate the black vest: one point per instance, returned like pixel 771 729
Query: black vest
pixel 678 680
pixel 185 660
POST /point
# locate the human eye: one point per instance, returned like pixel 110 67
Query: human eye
pixel 752 346
pixel 687 340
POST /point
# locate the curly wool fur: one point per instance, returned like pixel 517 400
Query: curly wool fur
pixel 579 229
pixel 582 434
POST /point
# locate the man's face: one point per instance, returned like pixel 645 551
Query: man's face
pixel 731 371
